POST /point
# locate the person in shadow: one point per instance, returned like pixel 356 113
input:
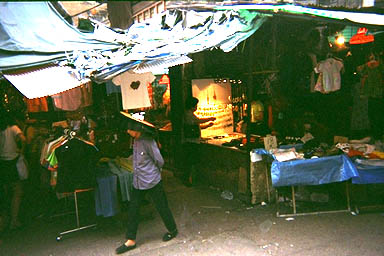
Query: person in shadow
pixel 192 135
pixel 12 141
pixel 147 165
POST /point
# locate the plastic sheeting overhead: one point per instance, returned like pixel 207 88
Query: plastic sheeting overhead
pixel 32 33
pixel 356 17
pixel 37 27
pixel 170 36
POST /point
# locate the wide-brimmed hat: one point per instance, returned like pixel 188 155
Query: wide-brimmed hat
pixel 132 123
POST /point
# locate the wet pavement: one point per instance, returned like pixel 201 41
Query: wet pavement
pixel 208 225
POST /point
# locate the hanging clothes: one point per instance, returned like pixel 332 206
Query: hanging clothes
pixel 86 94
pixel 68 101
pixel 359 118
pixel 373 88
pixel 48 158
pixel 106 201
pixel 150 93
pixel 73 99
pixel 330 78
pixel 76 165
pixel 125 178
pixel 312 80
pixel 372 79
pixel 110 87
pixel 167 95
pixel 134 91
pixel 37 104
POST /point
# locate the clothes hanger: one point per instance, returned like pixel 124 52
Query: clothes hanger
pixel 72 134
pixel 337 58
pixel 331 56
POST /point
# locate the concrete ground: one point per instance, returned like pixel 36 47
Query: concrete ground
pixel 208 225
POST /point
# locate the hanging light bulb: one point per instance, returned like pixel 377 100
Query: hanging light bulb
pixel 340 40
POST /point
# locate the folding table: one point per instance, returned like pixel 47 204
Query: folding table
pixel 316 171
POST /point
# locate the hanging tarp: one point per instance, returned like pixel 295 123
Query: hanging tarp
pixel 33 33
pixel 347 16
pixel 167 39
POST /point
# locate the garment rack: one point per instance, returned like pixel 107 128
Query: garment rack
pixel 70 135
pixel 78 227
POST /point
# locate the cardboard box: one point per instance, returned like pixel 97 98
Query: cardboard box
pixel 270 142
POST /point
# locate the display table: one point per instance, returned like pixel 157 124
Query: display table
pixel 225 168
pixel 369 175
pixel 315 171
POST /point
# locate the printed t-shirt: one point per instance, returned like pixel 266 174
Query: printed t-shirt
pixel 134 90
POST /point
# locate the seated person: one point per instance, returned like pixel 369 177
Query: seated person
pixel 241 126
pixel 257 125
pixel 259 128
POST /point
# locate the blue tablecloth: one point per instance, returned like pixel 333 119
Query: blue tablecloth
pixel 368 174
pixel 315 171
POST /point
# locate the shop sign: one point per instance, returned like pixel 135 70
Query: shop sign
pixel 361 37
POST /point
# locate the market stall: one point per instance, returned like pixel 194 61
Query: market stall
pixel 285 91
pixel 269 77
pixel 225 161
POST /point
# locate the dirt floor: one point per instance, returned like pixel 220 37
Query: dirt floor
pixel 208 225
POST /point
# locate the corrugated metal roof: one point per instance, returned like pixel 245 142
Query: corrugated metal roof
pixel 45 81
pixel 151 66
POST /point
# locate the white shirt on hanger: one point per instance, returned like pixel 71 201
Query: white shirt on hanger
pixel 134 90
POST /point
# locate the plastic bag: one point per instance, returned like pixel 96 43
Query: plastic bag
pixel 227 195
pixel 22 168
